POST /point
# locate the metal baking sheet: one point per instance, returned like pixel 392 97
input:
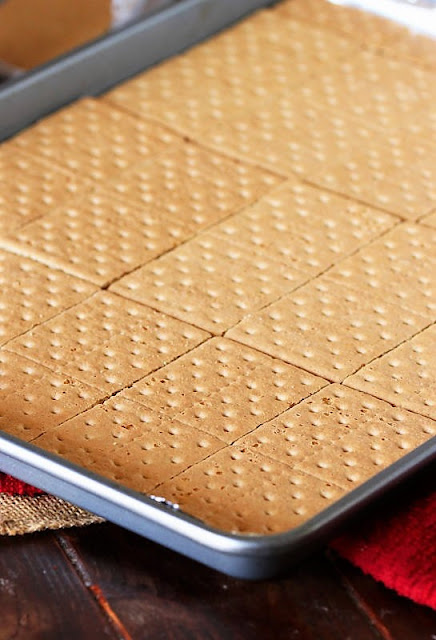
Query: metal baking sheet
pixel 241 556
pixel 95 67
pixel 89 71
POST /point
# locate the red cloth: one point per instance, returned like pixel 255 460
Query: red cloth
pixel 398 549
pixel 16 487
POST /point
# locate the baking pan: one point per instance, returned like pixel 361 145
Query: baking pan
pixel 241 556
pixel 89 71
pixel 95 67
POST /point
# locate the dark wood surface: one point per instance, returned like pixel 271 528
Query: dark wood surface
pixel 103 582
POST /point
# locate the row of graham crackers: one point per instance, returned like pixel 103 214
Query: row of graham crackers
pixel 139 229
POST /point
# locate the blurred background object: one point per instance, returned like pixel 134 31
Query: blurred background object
pixel 418 15
pixel 35 31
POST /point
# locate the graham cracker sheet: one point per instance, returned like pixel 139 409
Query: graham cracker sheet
pixel 340 435
pixel 217 278
pixel 110 230
pixel 399 267
pixel 108 342
pixel 31 188
pixel 31 293
pixel 97 237
pixel 280 498
pixel 328 328
pixel 229 399
pixel 210 283
pixel 130 444
pixel 232 71
pixel 405 376
pixel 46 398
pixel 369 30
pixel 93 141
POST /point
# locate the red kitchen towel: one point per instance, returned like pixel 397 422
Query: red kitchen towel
pixel 9 485
pixel 398 549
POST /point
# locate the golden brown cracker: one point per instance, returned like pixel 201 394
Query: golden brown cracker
pixel 107 342
pixel 35 399
pixel 129 444
pixel 328 328
pixel 242 491
pixel 405 376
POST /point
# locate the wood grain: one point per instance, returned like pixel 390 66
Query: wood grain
pixel 104 582
pixel 42 597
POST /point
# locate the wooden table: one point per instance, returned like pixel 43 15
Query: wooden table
pixel 103 582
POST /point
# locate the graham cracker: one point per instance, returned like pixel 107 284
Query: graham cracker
pixel 210 283
pixel 378 102
pixel 94 140
pixel 31 188
pixel 289 135
pixel 129 444
pixel 107 342
pixel 398 79
pixel 35 399
pixel 256 256
pixel 27 195
pixel 186 92
pixel 369 30
pixel 340 435
pixel 418 48
pixel 400 267
pixel 405 376
pixel 310 228
pixel 31 293
pixel 193 186
pixel 429 220
pixel 279 498
pixel 407 193
pixel 224 388
pixel 328 329
pixel 97 237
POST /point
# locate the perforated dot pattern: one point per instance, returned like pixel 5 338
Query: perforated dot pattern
pixel 193 186
pixel 340 435
pixel 97 237
pixel 362 26
pixel 224 388
pixel 280 498
pixel 383 184
pixel 129 444
pixel 107 343
pixel 405 376
pixel 31 293
pixel 29 190
pixel 307 227
pixel 328 328
pixel 291 135
pixel 400 267
pixel 231 72
pixel 95 140
pixel 210 283
pixel 35 399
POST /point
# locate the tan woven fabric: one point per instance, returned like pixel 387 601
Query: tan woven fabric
pixel 23 514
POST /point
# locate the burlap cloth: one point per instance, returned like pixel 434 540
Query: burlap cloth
pixel 27 514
